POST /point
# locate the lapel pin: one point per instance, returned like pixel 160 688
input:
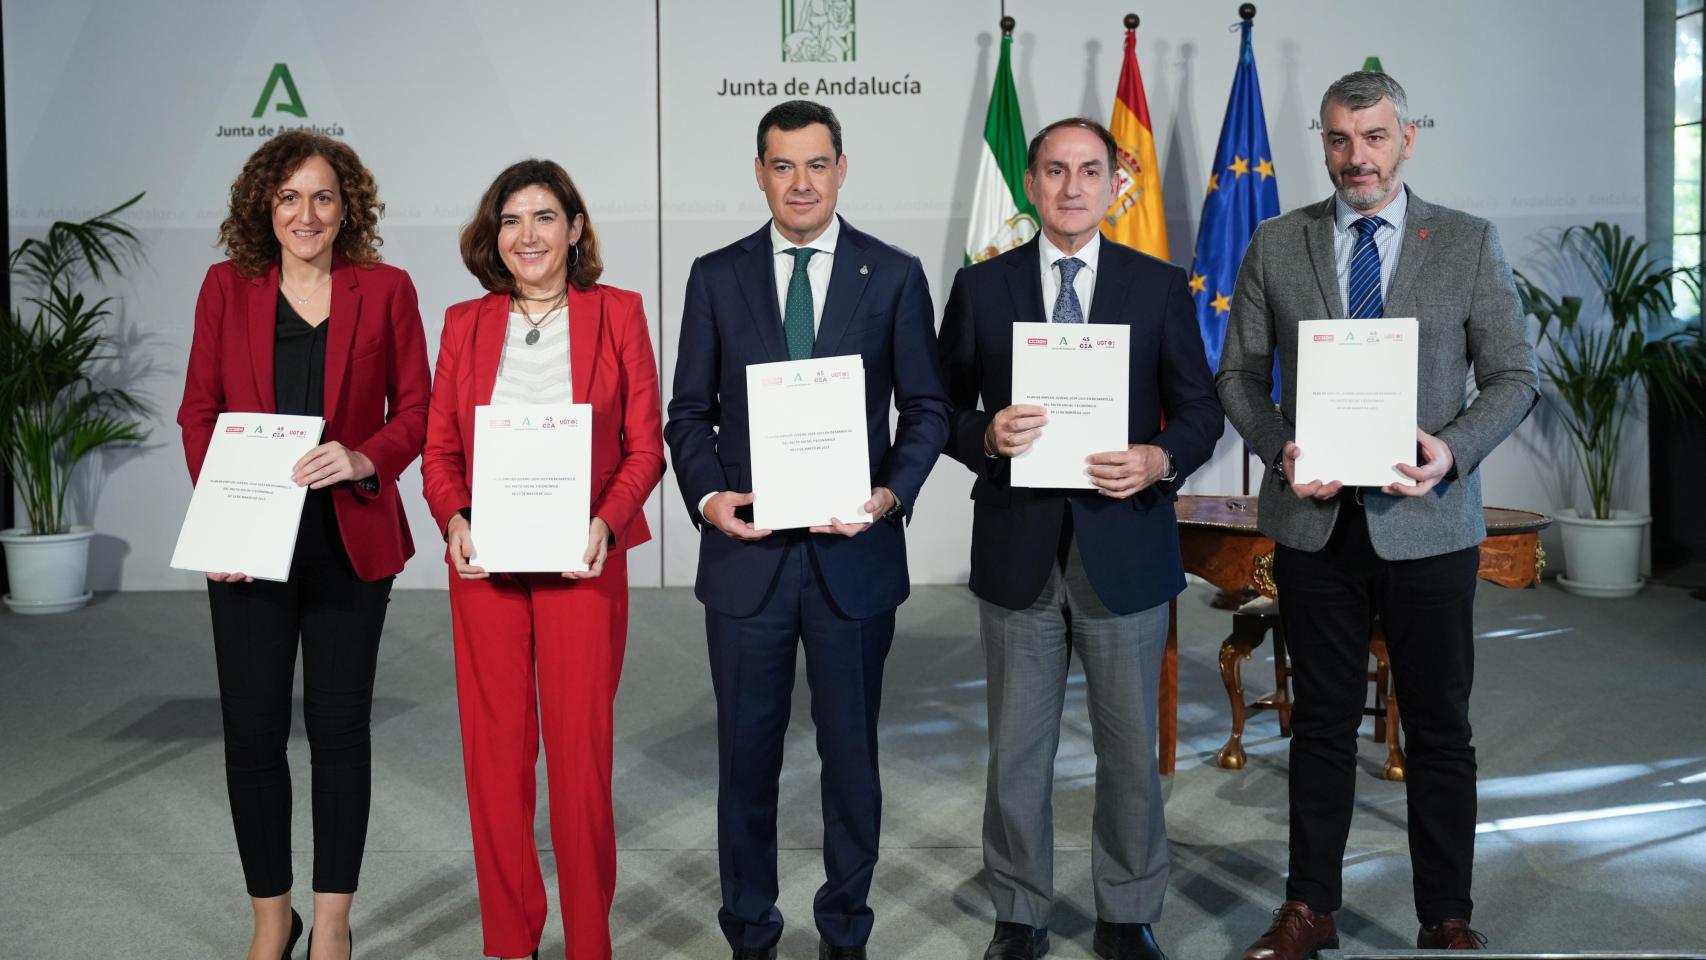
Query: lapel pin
pixel 1422 233
pixel 864 271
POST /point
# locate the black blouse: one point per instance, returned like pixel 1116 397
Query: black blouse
pixel 298 363
pixel 299 389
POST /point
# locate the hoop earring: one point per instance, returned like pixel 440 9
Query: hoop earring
pixel 577 260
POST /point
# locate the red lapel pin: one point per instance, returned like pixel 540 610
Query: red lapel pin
pixel 1422 233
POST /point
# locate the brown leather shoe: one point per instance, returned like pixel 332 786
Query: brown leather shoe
pixel 1297 932
pixel 1449 935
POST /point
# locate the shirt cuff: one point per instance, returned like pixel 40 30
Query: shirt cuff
pixel 704 500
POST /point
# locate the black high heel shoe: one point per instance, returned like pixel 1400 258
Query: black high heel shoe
pixel 349 933
pixel 295 934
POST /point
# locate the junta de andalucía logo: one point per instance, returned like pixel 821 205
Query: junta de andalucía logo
pixel 819 31
pixel 278 95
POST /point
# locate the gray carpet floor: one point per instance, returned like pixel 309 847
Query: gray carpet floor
pixel 115 838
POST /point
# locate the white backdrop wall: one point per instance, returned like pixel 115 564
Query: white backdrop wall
pixel 641 103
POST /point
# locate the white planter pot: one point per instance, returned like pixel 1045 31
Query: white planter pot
pixel 1602 557
pixel 49 574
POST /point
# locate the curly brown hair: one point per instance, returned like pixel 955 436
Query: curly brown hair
pixel 480 236
pixel 247 233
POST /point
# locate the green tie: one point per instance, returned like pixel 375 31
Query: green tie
pixel 797 318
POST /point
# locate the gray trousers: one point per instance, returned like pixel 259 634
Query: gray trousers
pixel 1028 652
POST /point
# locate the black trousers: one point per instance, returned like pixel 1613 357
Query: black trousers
pixel 1328 603
pixel 256 628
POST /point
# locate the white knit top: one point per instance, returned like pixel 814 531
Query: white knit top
pixel 537 372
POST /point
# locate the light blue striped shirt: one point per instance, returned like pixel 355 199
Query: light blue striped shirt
pixel 1387 241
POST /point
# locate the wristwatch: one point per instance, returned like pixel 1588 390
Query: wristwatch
pixel 896 512
pixel 1172 472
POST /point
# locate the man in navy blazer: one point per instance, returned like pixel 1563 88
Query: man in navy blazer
pixel 1086 572
pixel 807 284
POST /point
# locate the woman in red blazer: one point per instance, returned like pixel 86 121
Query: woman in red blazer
pixel 546 332
pixel 303 319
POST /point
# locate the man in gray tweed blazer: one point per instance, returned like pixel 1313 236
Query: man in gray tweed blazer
pixel 1407 555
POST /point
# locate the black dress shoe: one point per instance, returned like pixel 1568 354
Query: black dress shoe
pixel 1126 941
pixel 1016 941
pixel 295 934
pixel 755 953
pixel 827 952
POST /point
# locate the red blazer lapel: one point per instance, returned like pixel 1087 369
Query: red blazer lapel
pixel 346 309
pixel 586 315
pixel 491 320
pixel 262 306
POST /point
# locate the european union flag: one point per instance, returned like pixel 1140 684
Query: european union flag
pixel 1242 192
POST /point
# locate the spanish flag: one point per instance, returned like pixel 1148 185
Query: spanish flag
pixel 1135 218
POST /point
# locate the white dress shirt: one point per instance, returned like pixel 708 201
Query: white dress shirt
pixel 817 268
pixel 1084 283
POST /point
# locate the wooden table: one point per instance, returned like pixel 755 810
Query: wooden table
pixel 1220 543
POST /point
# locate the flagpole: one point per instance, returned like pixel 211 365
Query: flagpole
pixel 1131 21
pixel 1247 13
pixel 1007 25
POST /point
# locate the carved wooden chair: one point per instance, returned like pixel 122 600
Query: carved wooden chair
pixel 1250 625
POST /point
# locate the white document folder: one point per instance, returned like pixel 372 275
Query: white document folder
pixel 811 458
pixel 1356 400
pixel 532 487
pixel 1081 374
pixel 245 510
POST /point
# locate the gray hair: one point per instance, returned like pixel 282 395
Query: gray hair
pixel 1363 89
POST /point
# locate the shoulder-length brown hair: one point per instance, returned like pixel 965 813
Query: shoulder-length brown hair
pixel 247 233
pixel 480 236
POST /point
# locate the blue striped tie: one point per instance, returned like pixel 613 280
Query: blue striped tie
pixel 1363 288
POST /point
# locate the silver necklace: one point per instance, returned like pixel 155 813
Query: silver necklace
pixel 303 301
pixel 533 335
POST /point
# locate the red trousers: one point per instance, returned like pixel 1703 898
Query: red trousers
pixel 540 654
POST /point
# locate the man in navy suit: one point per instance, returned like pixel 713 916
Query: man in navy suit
pixel 1090 572
pixel 807 284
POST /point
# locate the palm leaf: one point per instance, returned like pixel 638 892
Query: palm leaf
pixel 53 412
pixel 1594 369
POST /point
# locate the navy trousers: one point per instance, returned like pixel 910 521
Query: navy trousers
pixel 752 672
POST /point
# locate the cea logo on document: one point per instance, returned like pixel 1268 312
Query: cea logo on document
pixel 278 95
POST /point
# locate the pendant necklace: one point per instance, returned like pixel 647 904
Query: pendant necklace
pixel 303 301
pixel 556 302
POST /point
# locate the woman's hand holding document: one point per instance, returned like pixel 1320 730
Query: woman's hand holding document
pixel 1079 377
pixel 811 456
pixel 1356 408
pixel 532 487
pixel 245 510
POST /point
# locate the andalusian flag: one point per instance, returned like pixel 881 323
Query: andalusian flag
pixel 1136 218
pixel 1001 216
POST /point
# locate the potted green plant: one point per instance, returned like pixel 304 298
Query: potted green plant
pixel 1595 368
pixel 54 412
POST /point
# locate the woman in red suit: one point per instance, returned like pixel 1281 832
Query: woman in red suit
pixel 547 332
pixel 303 319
